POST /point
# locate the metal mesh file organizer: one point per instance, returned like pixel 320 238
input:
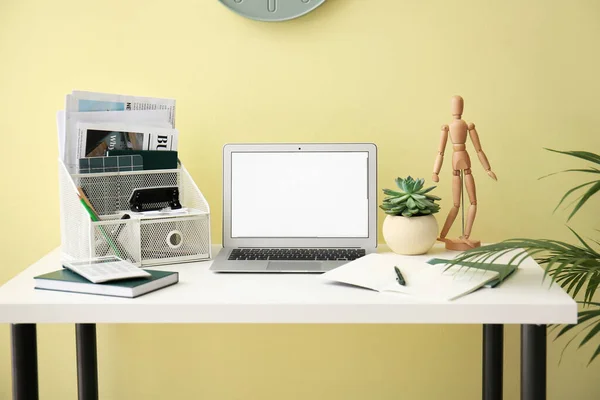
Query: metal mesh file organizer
pixel 144 240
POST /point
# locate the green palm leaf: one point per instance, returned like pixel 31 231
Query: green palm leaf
pixel 584 155
pixel 583 242
pixel 596 354
pixel 590 170
pixel 595 329
pixel 572 267
pixel 571 191
pixel 591 191
pixel 583 317
pixel 592 328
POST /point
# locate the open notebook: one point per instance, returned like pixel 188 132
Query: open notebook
pixel 424 281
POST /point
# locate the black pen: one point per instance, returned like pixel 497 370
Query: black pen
pixel 399 277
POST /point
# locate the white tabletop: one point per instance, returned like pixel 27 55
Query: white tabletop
pixel 202 296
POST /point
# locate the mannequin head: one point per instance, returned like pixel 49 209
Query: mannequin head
pixel 457 105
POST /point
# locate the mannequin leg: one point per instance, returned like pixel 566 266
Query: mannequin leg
pixel 456 186
pixel 470 186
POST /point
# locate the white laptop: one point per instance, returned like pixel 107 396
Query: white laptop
pixel 306 207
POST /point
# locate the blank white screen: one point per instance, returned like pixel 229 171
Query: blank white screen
pixel 304 195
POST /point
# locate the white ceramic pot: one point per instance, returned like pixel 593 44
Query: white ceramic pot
pixel 415 235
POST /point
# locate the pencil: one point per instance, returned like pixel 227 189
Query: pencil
pixel 95 218
pixel 83 197
pixel 91 213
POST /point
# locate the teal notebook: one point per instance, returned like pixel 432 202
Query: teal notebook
pixel 152 159
pixel 503 270
pixel 68 281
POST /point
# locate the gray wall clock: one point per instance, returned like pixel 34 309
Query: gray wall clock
pixel 272 10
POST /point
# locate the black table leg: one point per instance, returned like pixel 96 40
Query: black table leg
pixel 493 355
pixel 533 362
pixel 24 362
pixel 87 362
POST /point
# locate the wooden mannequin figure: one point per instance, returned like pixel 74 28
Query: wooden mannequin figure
pixel 461 171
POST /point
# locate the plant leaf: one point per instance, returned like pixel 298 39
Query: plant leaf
pixel 420 205
pixel 590 170
pixel 427 190
pixel 580 239
pixel 429 203
pixel 591 191
pixel 567 264
pixel 418 184
pixel 399 199
pixel 591 289
pixel 390 192
pixel 401 184
pixel 596 353
pixel 593 332
pixel 584 155
pixel 580 320
pixel 571 191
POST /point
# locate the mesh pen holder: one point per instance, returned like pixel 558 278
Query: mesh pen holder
pixel 142 239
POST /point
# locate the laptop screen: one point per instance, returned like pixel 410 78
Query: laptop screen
pixel 299 195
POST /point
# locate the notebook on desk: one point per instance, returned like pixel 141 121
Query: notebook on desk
pixel 423 281
pixel 65 280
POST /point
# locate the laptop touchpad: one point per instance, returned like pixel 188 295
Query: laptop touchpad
pixel 294 266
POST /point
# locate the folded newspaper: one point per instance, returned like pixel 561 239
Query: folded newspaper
pixel 94 123
pixel 92 101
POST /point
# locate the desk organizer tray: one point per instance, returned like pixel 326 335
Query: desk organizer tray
pixel 145 239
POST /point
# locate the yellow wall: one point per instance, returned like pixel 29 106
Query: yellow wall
pixel 380 71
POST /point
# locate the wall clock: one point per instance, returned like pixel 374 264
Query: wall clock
pixel 272 10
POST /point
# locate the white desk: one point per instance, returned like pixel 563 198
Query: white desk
pixel 202 296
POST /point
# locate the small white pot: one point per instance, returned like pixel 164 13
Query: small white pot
pixel 414 235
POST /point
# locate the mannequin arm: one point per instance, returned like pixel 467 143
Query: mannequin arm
pixel 437 166
pixel 482 157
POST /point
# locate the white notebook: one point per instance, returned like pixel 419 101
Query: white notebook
pixel 423 281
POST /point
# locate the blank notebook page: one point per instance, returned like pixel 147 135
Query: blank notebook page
pixel 423 281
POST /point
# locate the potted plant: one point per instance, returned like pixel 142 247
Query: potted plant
pixel 410 227
pixel 576 268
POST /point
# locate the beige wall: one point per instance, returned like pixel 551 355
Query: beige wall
pixel 378 70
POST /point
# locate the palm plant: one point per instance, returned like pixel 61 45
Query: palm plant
pixel 576 268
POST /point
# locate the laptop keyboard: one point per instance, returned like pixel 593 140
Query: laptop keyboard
pixel 296 254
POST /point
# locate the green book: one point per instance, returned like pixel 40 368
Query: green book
pixel 152 159
pixel 67 281
pixel 497 281
pixel 504 270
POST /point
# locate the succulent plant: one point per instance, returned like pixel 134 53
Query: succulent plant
pixel 411 200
